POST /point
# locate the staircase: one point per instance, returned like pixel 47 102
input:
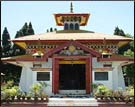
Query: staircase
pixel 84 102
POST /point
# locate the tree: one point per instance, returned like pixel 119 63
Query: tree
pixel 25 29
pixel 16 50
pixel 55 29
pixel 127 50
pixel 51 29
pixel 30 29
pixel 47 30
pixel 118 31
pixel 6 44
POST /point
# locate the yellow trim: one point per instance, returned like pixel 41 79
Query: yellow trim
pixel 21 44
pixel 72 62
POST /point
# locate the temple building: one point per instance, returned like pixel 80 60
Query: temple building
pixel 72 59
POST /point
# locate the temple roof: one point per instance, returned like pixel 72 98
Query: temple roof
pixel 79 35
pixel 72 36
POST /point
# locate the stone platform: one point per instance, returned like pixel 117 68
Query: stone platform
pixel 72 102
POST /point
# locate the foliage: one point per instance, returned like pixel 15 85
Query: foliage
pixel 101 90
pixel 12 71
pixel 118 31
pixel 24 31
pixel 8 90
pixel 127 50
pixel 130 90
pixel 37 89
pixel 6 44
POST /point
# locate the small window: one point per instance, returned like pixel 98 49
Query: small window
pixel 37 65
pixel 101 76
pixel 43 76
pixel 38 56
pixel 71 26
pixel 76 26
pixel 105 56
pixel 66 26
pixel 107 65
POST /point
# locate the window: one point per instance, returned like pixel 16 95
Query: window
pixel 37 65
pixel 76 26
pixel 105 56
pixel 107 65
pixel 101 76
pixel 71 26
pixel 66 26
pixel 43 76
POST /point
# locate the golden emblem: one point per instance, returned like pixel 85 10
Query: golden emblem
pixel 71 48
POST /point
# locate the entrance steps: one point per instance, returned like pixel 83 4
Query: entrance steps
pixel 84 102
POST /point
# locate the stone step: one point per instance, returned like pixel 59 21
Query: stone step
pixel 72 102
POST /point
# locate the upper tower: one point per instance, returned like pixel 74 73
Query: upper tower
pixel 71 20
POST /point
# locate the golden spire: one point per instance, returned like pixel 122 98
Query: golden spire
pixel 71 8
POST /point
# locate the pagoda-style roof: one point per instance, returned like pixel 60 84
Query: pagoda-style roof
pixel 82 17
pixel 61 18
pixel 61 36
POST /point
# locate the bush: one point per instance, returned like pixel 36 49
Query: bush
pixel 101 90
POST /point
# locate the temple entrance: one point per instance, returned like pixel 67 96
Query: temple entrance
pixel 72 78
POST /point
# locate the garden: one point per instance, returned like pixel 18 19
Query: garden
pixel 104 94
pixel 12 93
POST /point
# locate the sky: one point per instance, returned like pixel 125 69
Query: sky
pixel 104 15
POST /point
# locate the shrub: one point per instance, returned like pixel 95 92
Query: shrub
pixel 101 90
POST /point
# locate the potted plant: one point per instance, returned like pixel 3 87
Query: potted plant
pixel 7 95
pixel 130 95
pixel 42 95
pixel 94 88
pixel 23 95
pixel 35 88
pixel 28 96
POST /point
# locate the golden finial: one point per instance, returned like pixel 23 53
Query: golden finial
pixel 71 8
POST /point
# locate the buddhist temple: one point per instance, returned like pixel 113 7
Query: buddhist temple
pixel 71 60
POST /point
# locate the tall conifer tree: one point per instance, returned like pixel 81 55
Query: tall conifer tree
pixel 6 43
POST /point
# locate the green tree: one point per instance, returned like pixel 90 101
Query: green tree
pixel 16 50
pixel 25 29
pixel 51 29
pixel 30 29
pixel 47 30
pixel 127 50
pixel 6 43
pixel 118 31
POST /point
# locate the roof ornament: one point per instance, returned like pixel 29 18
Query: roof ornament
pixel 71 7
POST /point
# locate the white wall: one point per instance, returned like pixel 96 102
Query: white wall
pixel 115 77
pixel 29 77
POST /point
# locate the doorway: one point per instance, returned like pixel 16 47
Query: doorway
pixel 72 77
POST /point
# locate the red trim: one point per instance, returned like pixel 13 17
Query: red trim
pixel 115 59
pixel 87 76
pixel 76 14
pixel 55 73
pixel 75 43
pixel 6 60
